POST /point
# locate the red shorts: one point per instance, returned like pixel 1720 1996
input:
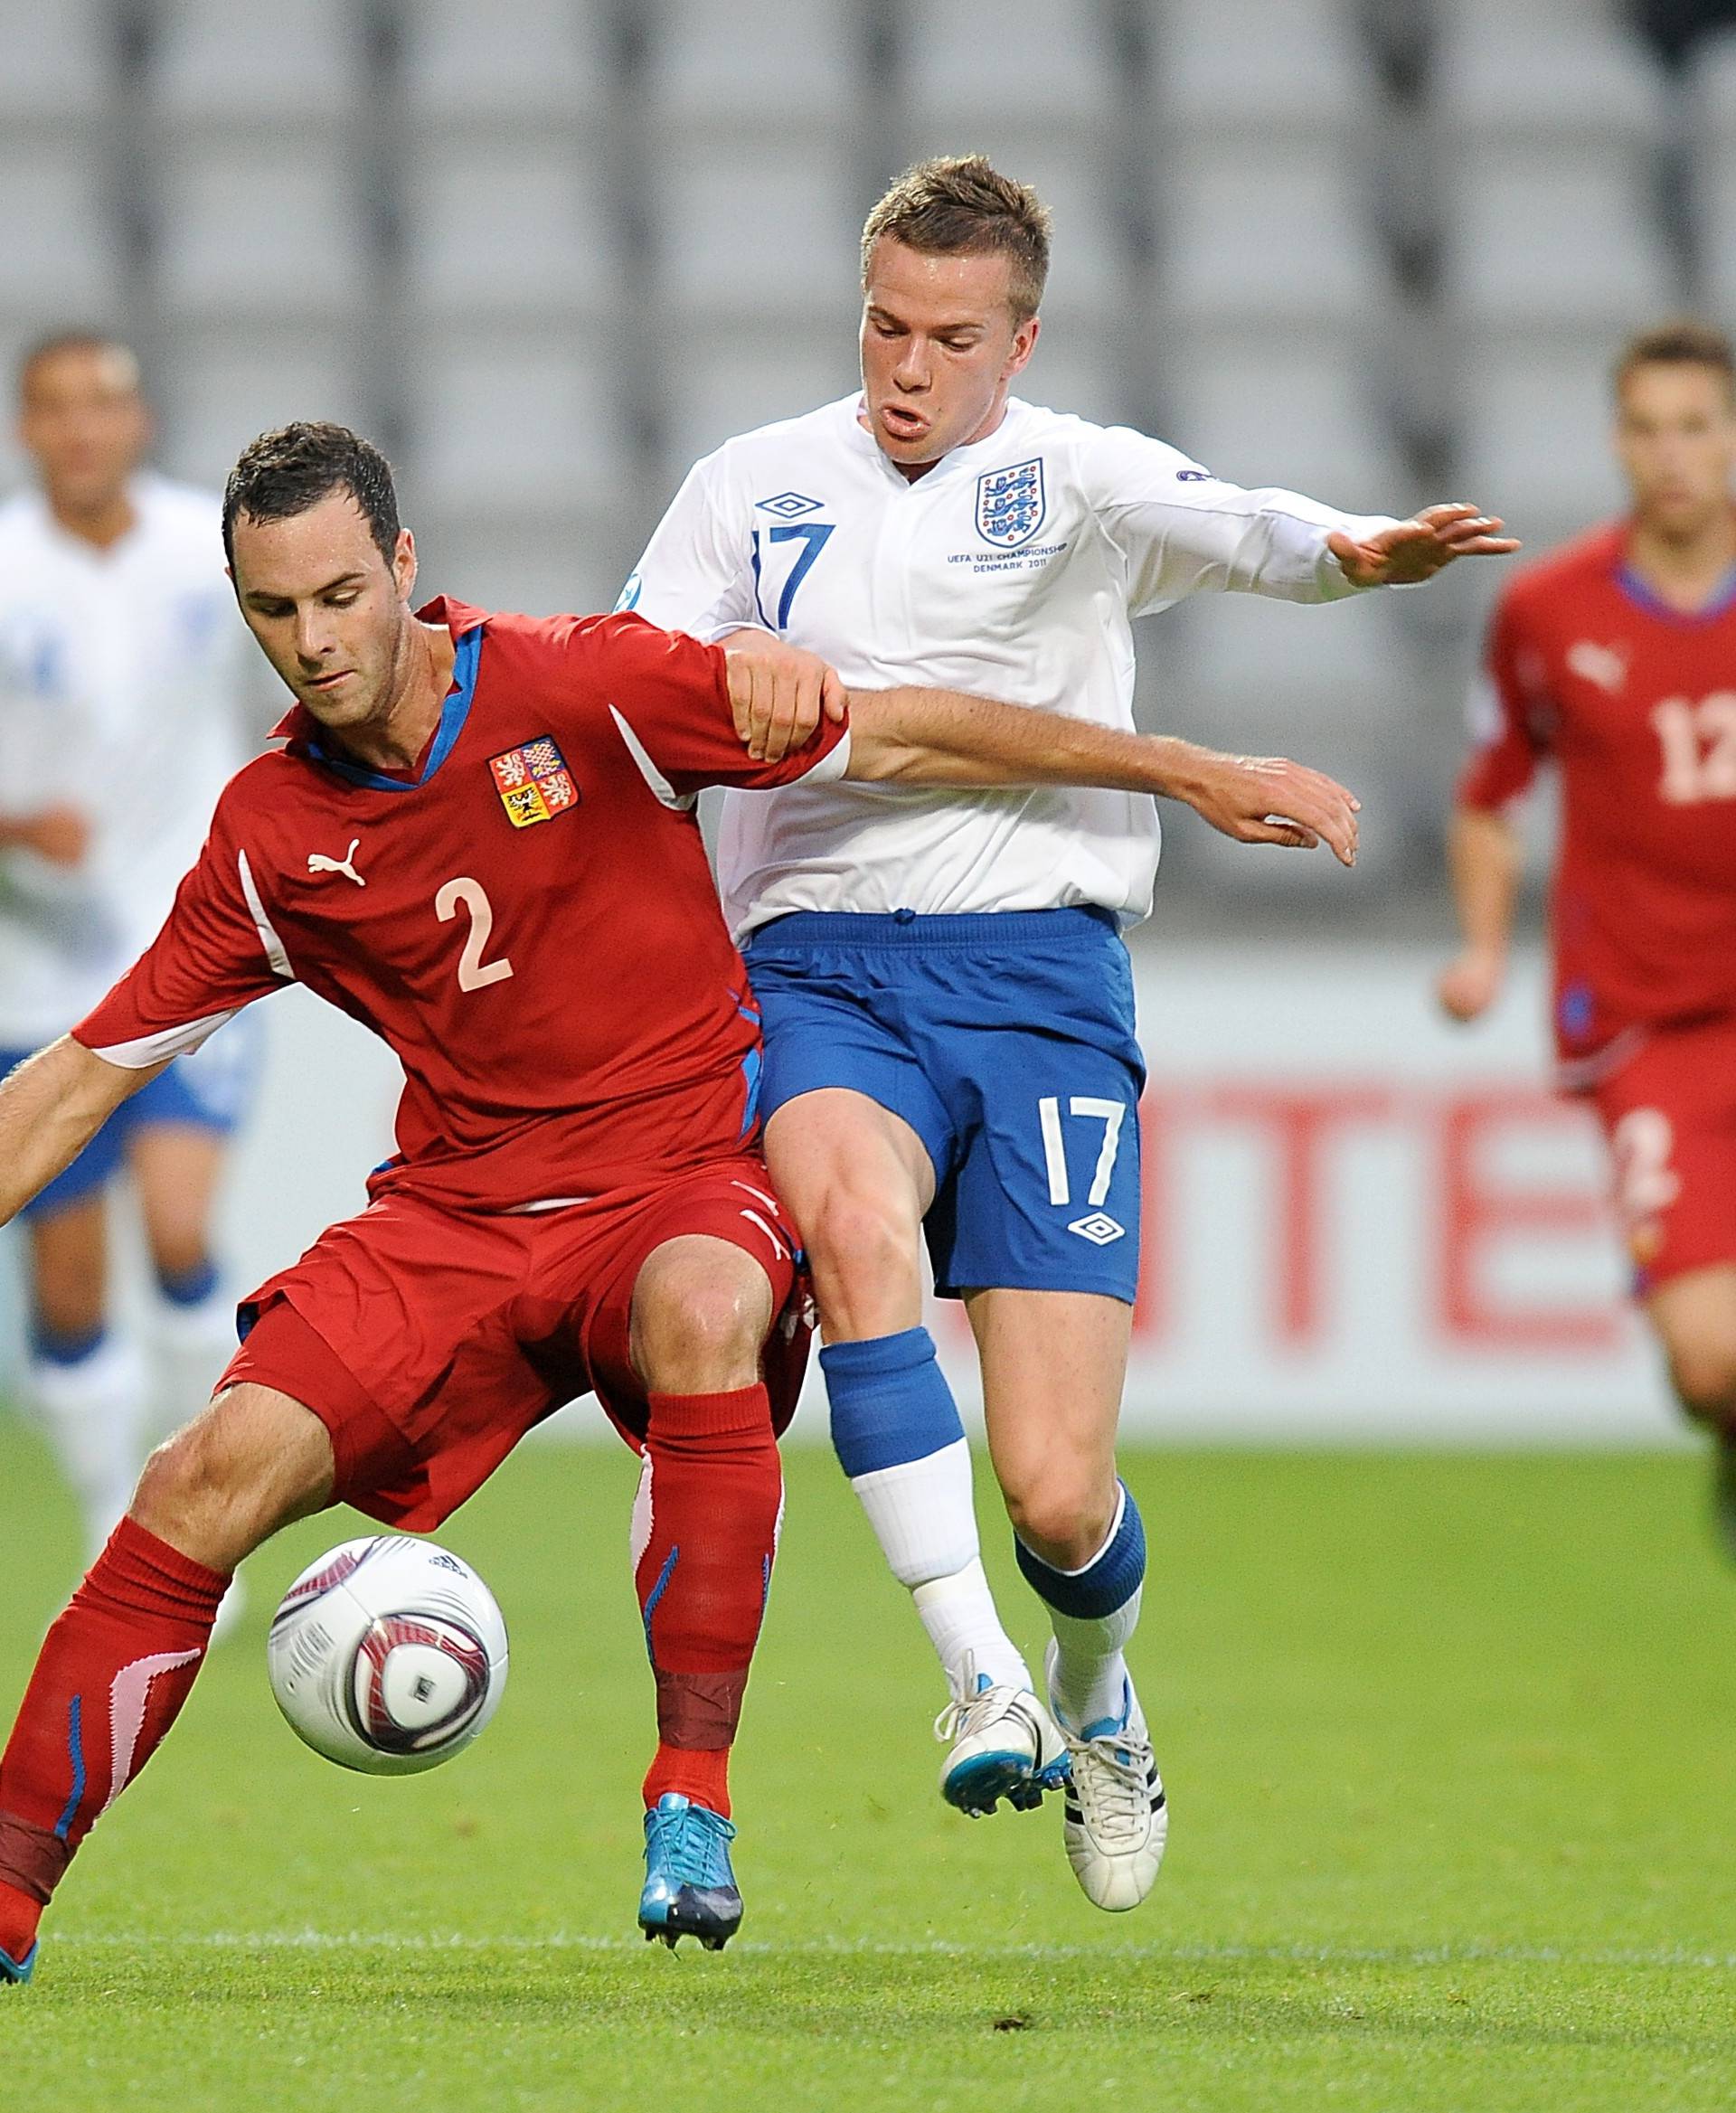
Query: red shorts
pixel 1670 1116
pixel 429 1341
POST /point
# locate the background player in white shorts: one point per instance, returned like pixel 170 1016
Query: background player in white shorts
pixel 947 1006
pixel 121 662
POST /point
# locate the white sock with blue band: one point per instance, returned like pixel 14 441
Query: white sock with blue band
pixel 90 1393
pixel 897 1433
pixel 1094 1611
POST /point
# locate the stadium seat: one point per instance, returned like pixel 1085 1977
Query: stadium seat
pixel 59 258
pixel 755 228
pixel 743 382
pixel 1275 231
pixel 575 561
pixel 1090 265
pixel 1089 372
pixel 502 225
pixel 1030 67
pixel 1562 233
pixel 59 66
pixel 217 387
pixel 1259 69
pixel 1264 653
pixel 1542 70
pixel 1714 212
pixel 707 65
pixel 300 62
pixel 1340 689
pixel 1534 432
pixel 1712 88
pixel 505 421
pixel 256 226
pixel 1713 145
pixel 523 63
pixel 1299 411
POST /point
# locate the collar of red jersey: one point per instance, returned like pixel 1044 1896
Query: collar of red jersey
pixel 460 619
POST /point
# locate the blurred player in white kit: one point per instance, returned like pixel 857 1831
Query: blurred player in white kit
pixel 948 1004
pixel 120 678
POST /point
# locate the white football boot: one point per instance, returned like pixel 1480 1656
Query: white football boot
pixel 1001 1743
pixel 1116 1817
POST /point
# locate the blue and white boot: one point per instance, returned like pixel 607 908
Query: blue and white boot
pixel 1116 1816
pixel 689 1887
pixel 1001 1743
pixel 16 1972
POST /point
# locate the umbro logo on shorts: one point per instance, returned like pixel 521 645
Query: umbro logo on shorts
pixel 534 782
pixel 1099 1228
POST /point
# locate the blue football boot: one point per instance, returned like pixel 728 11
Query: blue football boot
pixel 17 1970
pixel 689 1887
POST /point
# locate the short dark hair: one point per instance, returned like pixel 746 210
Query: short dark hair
pixel 960 205
pixel 1682 342
pixel 55 342
pixel 284 472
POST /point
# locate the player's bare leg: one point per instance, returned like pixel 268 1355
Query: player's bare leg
pixel 116 1667
pixel 88 1382
pixel 1694 1318
pixel 704 1535
pixel 175 1168
pixel 858 1181
pixel 1053 1367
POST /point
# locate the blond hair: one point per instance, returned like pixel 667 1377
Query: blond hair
pixel 960 205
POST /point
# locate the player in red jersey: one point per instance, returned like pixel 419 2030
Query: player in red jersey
pixel 1615 658
pixel 479 841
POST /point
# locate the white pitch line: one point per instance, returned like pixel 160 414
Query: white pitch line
pixel 1324 1955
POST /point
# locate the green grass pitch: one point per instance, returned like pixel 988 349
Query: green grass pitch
pixel 1449 1743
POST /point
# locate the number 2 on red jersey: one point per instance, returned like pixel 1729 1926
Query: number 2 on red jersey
pixel 474 972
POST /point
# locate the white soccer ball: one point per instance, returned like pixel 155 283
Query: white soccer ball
pixel 388 1655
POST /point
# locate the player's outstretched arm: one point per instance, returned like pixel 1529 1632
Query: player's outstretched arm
pixel 1413 550
pixel 1483 856
pixel 50 1108
pixel 943 737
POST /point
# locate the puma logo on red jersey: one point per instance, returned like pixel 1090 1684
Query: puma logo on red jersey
pixel 317 862
pixel 1606 666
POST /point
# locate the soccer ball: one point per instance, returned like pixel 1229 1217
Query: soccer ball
pixel 388 1655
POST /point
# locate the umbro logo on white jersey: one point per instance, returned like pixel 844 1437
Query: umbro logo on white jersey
pixel 317 862
pixel 1606 666
pixel 788 506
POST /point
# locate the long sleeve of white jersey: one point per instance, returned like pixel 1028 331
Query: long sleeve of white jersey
pixel 697 575
pixel 1182 531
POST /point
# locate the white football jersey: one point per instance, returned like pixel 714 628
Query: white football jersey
pixel 1010 569
pixel 120 694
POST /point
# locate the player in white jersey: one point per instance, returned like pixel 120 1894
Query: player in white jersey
pixel 121 677
pixel 948 1004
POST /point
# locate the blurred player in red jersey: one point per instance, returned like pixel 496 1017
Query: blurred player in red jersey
pixel 479 841
pixel 1616 657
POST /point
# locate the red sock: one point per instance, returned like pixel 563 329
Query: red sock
pixel 111 1679
pixel 705 1529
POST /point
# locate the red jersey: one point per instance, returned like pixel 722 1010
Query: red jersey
pixel 527 919
pixel 1636 704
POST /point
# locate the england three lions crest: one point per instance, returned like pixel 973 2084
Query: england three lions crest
pixel 1010 503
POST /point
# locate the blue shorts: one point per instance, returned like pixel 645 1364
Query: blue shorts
pixel 209 1089
pixel 1006 1041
